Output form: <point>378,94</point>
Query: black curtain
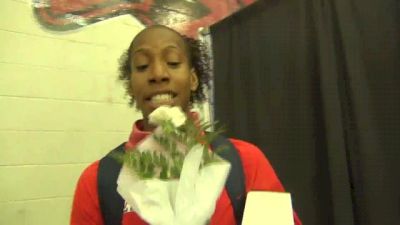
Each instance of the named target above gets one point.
<point>316,85</point>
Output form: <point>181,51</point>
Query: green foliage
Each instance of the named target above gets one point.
<point>168,164</point>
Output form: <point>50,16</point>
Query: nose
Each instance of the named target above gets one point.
<point>159,73</point>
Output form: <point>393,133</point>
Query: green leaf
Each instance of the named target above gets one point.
<point>145,163</point>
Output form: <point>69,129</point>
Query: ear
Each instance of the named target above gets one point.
<point>194,80</point>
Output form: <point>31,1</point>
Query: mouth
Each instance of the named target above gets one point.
<point>162,98</point>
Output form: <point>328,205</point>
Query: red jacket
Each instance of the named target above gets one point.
<point>259,175</point>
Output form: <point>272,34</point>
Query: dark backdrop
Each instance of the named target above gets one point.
<point>316,85</point>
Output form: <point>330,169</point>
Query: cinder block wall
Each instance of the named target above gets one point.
<point>60,109</point>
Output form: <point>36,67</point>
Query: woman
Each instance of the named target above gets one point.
<point>161,67</point>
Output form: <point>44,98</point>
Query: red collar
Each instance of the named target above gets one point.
<point>136,135</point>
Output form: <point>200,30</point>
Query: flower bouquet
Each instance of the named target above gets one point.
<point>172,177</point>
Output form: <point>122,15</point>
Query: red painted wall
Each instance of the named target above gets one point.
<point>185,16</point>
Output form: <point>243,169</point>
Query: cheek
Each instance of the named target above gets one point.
<point>132,86</point>
<point>135,88</point>
<point>186,90</point>
<point>184,82</point>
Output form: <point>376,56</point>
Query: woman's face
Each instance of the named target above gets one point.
<point>161,71</point>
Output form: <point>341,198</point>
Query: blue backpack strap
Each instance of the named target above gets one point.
<point>111,203</point>
<point>235,184</point>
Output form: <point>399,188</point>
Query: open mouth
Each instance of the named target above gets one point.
<point>162,99</point>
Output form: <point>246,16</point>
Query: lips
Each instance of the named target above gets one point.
<point>161,98</point>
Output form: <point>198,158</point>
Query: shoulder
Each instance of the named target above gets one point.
<point>248,151</point>
<point>87,183</point>
<point>85,206</point>
<point>90,172</point>
<point>259,173</point>
<point>244,146</point>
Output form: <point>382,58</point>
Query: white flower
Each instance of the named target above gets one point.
<point>165,113</point>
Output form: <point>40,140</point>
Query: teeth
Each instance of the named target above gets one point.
<point>161,97</point>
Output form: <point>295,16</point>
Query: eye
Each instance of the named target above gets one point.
<point>173,64</point>
<point>141,68</point>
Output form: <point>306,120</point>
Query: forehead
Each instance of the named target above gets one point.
<point>157,38</point>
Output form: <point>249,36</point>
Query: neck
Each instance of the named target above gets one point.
<point>147,126</point>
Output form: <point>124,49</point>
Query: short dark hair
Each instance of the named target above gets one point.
<point>198,54</point>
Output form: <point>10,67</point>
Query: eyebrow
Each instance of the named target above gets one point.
<point>145,49</point>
